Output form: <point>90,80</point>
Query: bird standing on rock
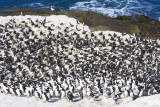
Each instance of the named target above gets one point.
<point>50,60</point>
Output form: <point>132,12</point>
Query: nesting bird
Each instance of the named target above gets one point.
<point>41,59</point>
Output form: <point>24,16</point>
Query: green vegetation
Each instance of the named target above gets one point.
<point>139,24</point>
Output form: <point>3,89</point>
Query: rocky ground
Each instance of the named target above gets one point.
<point>13,101</point>
<point>140,25</point>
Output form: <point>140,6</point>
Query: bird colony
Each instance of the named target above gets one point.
<point>57,57</point>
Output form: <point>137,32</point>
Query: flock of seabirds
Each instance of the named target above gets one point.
<point>67,61</point>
